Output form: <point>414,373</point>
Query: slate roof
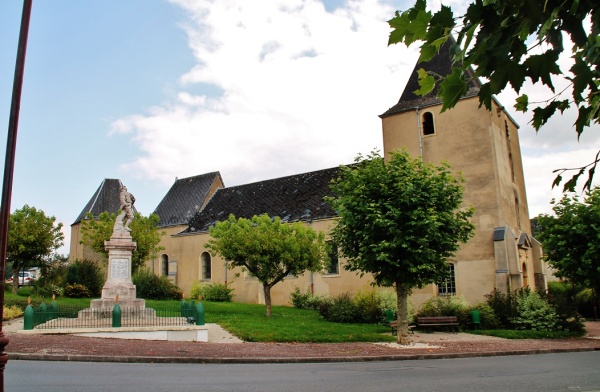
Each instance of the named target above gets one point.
<point>440,64</point>
<point>294,198</point>
<point>184,199</point>
<point>106,198</point>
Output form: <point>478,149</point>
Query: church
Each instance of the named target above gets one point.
<point>481,145</point>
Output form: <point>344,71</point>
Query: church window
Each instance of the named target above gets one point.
<point>448,285</point>
<point>509,148</point>
<point>333,265</point>
<point>164,265</point>
<point>427,123</point>
<point>205,263</point>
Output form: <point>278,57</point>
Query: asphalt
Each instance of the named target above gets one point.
<point>223,347</point>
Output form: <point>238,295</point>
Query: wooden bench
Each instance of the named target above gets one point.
<point>394,326</point>
<point>438,321</point>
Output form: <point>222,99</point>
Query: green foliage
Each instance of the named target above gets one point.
<point>25,291</point>
<point>144,232</point>
<point>400,220</point>
<point>86,273</point>
<point>151,286</point>
<point>268,248</point>
<point>77,291</point>
<point>342,309</point>
<point>32,238</point>
<point>534,313</point>
<point>488,319</point>
<point>306,300</point>
<point>446,306</point>
<point>366,306</point>
<point>216,292</point>
<point>497,38</point>
<point>570,239</point>
<point>504,306</point>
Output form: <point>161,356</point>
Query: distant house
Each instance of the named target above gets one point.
<point>483,145</point>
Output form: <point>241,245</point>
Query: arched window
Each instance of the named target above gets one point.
<point>164,265</point>
<point>333,267</point>
<point>427,123</point>
<point>205,264</point>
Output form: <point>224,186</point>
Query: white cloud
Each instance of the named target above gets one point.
<point>301,90</point>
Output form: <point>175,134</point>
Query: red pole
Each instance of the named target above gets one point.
<point>11,146</point>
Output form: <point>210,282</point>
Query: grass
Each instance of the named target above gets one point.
<point>248,322</point>
<point>525,334</point>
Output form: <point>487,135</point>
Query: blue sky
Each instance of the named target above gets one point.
<point>150,90</point>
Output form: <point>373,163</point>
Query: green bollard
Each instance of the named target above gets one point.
<point>116,316</point>
<point>200,314</point>
<point>28,318</point>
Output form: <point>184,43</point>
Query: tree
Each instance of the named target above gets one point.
<point>32,239</point>
<point>508,42</point>
<point>144,232</point>
<point>571,239</point>
<point>268,248</point>
<point>400,220</point>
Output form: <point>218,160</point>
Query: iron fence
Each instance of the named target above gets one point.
<point>77,317</point>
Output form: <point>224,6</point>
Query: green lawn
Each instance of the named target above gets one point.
<point>248,322</point>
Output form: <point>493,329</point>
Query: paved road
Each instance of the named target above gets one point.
<point>547,372</point>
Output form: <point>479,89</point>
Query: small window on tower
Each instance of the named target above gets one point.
<point>428,128</point>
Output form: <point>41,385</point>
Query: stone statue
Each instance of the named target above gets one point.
<point>125,216</point>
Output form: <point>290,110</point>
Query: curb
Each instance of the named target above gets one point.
<point>262,360</point>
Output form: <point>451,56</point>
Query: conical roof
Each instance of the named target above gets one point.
<point>440,64</point>
<point>105,199</point>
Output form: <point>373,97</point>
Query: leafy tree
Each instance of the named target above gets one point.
<point>570,239</point>
<point>400,220</point>
<point>144,232</point>
<point>509,42</point>
<point>268,248</point>
<point>86,273</point>
<point>32,239</point>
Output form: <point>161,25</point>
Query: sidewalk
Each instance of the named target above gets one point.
<point>222,349</point>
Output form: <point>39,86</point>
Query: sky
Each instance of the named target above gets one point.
<point>148,91</point>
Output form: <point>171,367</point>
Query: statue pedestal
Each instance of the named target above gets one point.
<point>118,283</point>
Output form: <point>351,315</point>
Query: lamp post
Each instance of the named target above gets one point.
<point>11,144</point>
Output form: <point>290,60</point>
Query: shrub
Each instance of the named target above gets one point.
<point>371,305</point>
<point>216,292</point>
<point>447,306</point>
<point>342,309</point>
<point>534,312</point>
<point>504,306</point>
<point>488,318</point>
<point>150,286</point>
<point>12,312</point>
<point>86,273</point>
<point>49,290</point>
<point>306,300</point>
<point>25,291</point>
<point>77,291</point>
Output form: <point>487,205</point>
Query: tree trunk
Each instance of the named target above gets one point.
<point>15,281</point>
<point>267,290</point>
<point>402,294</point>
